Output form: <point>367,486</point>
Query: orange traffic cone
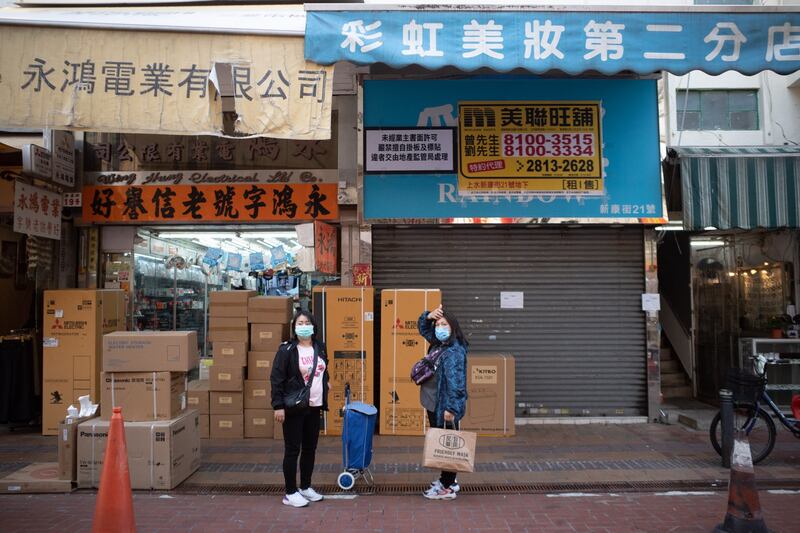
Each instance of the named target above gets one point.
<point>113,512</point>
<point>744,508</point>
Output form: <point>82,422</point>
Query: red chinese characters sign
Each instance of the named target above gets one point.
<point>325,251</point>
<point>211,203</point>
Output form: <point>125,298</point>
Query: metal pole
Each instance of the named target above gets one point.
<point>726,419</point>
<point>175,300</point>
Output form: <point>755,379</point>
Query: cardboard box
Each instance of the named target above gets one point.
<point>277,431</point>
<point>35,478</point>
<point>150,351</point>
<point>197,396</point>
<point>230,353</point>
<point>270,310</point>
<point>229,304</point>
<point>204,426</point>
<point>224,329</point>
<point>227,426</point>
<point>346,318</point>
<point>226,403</point>
<point>258,423</point>
<point>68,449</point>
<point>161,454</point>
<point>143,396</point>
<point>402,346</point>
<point>259,365</point>
<point>268,337</point>
<point>257,394</point>
<point>226,378</point>
<point>490,387</point>
<point>72,338</point>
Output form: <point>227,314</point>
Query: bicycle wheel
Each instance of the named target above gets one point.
<point>761,434</point>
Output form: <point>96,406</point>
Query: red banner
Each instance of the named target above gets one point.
<point>211,203</point>
<point>325,251</point>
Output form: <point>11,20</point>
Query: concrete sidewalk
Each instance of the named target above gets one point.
<point>582,455</point>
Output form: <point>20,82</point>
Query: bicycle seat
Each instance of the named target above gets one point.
<point>796,406</point>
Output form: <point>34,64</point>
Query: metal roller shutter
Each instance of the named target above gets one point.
<point>579,342</point>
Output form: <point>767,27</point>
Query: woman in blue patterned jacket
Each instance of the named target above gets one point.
<point>444,396</point>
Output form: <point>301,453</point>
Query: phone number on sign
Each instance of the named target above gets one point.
<point>555,165</point>
<point>548,144</point>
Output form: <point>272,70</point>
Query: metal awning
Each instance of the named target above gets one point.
<point>740,187</point>
<point>162,70</point>
<point>571,39</point>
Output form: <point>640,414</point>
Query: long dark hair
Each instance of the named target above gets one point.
<point>310,318</point>
<point>455,330</point>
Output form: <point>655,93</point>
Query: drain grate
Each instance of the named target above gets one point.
<point>494,488</point>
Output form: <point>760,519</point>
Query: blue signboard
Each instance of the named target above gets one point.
<point>571,42</point>
<point>631,161</point>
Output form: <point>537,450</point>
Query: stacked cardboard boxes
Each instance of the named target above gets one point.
<point>402,346</point>
<point>75,321</point>
<point>198,397</point>
<point>269,318</point>
<point>346,317</point>
<point>230,337</point>
<point>146,375</point>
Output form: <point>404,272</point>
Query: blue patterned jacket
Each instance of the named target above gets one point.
<point>451,377</point>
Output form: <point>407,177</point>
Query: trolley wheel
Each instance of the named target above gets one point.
<point>346,480</point>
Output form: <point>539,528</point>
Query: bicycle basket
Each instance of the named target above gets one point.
<point>746,386</point>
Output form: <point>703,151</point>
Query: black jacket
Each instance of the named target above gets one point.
<point>286,377</point>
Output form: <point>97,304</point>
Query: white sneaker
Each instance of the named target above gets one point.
<point>311,495</point>
<point>437,483</point>
<point>440,493</point>
<point>295,500</point>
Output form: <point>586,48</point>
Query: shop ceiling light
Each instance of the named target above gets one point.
<point>706,243</point>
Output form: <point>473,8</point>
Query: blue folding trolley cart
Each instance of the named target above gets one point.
<point>357,430</point>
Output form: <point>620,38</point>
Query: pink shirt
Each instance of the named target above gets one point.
<point>306,359</point>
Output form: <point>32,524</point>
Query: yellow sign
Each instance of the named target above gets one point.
<point>161,82</point>
<point>517,147</point>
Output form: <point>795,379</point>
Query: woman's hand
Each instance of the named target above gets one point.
<point>449,417</point>
<point>280,415</point>
<point>436,314</point>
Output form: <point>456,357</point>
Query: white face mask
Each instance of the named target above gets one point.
<point>304,331</point>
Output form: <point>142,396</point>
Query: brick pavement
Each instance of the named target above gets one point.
<point>620,513</point>
<point>538,454</point>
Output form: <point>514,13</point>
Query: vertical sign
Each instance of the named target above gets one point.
<point>62,149</point>
<point>325,252</point>
<point>37,211</point>
<point>37,161</point>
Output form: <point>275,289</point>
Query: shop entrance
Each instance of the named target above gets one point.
<point>169,272</point>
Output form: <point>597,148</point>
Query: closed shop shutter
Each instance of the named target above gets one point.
<point>579,341</point>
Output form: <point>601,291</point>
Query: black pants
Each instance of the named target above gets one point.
<point>300,437</point>
<point>447,478</point>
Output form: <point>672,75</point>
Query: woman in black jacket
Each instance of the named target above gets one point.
<point>291,371</point>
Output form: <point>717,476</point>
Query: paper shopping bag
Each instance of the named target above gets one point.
<point>449,450</point>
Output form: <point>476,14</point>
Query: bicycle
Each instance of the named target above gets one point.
<point>749,393</point>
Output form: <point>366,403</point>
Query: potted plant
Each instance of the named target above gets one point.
<point>775,325</point>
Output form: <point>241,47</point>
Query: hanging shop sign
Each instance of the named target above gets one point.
<point>409,150</point>
<point>207,177</point>
<point>538,40</point>
<point>620,169</point>
<point>161,82</point>
<point>37,211</point>
<point>519,147</point>
<point>132,152</point>
<point>62,146</point>
<point>210,203</point>
<point>37,161</point>
<point>72,199</point>
<point>326,255</point>
<point>362,275</point>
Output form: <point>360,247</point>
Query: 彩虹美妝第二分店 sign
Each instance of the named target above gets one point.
<point>211,203</point>
<point>572,42</point>
<point>529,146</point>
<point>159,82</point>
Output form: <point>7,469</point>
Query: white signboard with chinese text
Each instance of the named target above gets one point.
<point>409,150</point>
<point>62,148</point>
<point>37,211</point>
<point>37,161</point>
<point>72,199</point>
